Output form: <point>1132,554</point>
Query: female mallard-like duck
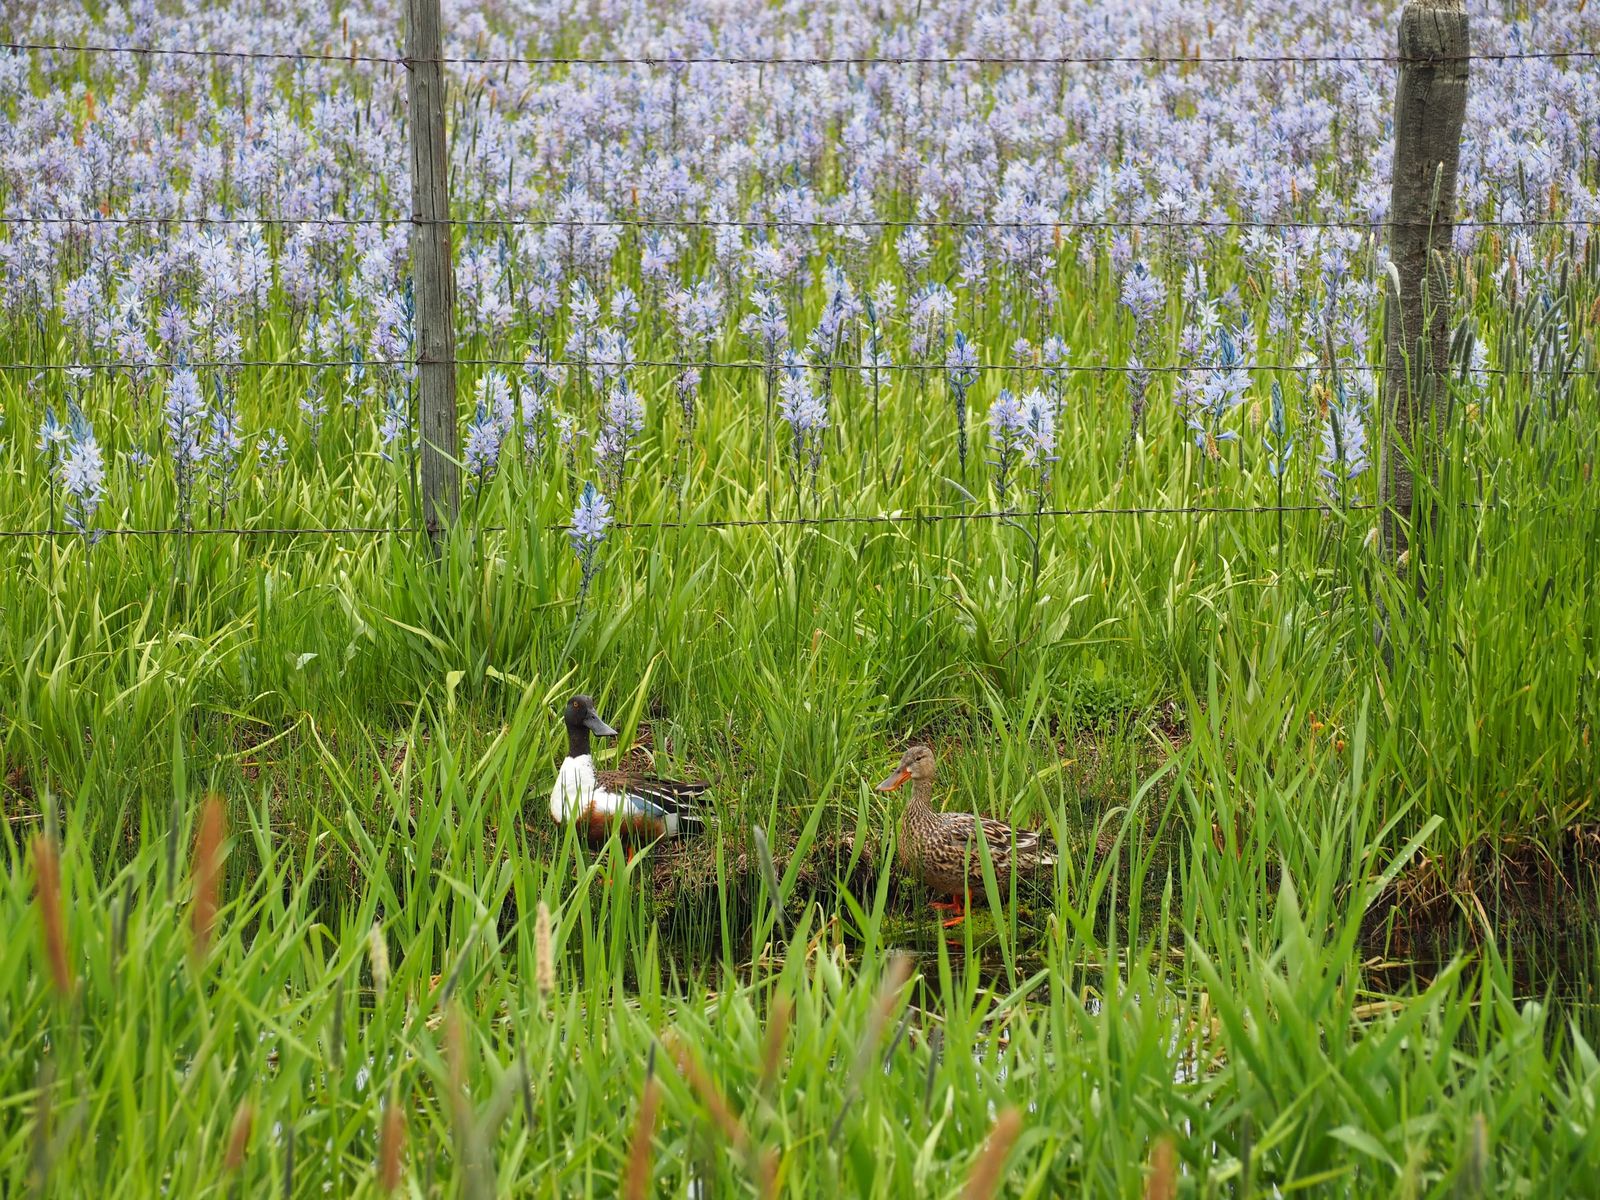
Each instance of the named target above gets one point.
<point>642,807</point>
<point>941,849</point>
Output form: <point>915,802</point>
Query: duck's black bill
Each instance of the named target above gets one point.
<point>595,725</point>
<point>895,780</point>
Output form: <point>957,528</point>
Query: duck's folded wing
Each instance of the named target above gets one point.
<point>1024,844</point>
<point>660,797</point>
<point>998,834</point>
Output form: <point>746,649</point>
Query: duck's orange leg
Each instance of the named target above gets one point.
<point>957,905</point>
<point>627,861</point>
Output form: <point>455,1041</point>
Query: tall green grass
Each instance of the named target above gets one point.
<point>1252,1040</point>
<point>1255,799</point>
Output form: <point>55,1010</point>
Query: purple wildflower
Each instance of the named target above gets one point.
<point>481,450</point>
<point>805,413</point>
<point>1344,442</point>
<point>961,371</point>
<point>185,413</point>
<point>1278,442</point>
<point>620,423</point>
<point>1143,293</point>
<point>591,519</point>
<point>1210,394</point>
<point>272,451</point>
<point>52,433</point>
<point>1006,425</point>
<point>222,445</point>
<point>314,406</point>
<point>83,476</point>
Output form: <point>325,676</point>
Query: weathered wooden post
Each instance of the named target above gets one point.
<point>432,267</point>
<point>1430,103</point>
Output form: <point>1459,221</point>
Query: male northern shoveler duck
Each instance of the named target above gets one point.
<point>941,849</point>
<point>642,807</point>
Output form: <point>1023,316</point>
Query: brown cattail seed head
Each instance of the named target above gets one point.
<point>391,1144</point>
<point>636,1180</point>
<point>1162,1182</point>
<point>777,1033</point>
<point>544,960</point>
<point>894,982</point>
<point>207,872</point>
<point>455,1047</point>
<point>989,1170</point>
<point>239,1136</point>
<point>378,952</point>
<point>710,1095</point>
<point>47,876</point>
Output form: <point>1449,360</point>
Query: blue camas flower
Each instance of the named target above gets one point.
<point>1344,441</point>
<point>591,519</point>
<point>1023,431</point>
<point>1143,293</point>
<point>1038,439</point>
<point>535,395</point>
<point>625,307</point>
<point>1145,296</point>
<point>480,451</point>
<point>805,413</point>
<point>138,461</point>
<point>314,406</point>
<point>396,423</point>
<point>223,445</point>
<point>52,433</point>
<point>185,414</point>
<point>768,326</point>
<point>961,370</point>
<point>621,422</point>
<point>83,476</point>
<point>1006,427</point>
<point>1208,395</point>
<point>272,451</point>
<point>1278,442</point>
<point>494,394</point>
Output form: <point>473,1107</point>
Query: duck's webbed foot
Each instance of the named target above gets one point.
<point>956,905</point>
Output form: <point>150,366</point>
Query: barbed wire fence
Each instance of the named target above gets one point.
<point>1425,216</point>
<point>669,59</point>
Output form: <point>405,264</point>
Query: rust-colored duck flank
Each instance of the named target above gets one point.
<point>643,807</point>
<point>941,849</point>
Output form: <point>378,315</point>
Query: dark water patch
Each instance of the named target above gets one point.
<point>1534,904</point>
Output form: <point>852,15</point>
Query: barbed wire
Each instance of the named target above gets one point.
<point>741,365</point>
<point>916,518</point>
<point>817,222</point>
<point>779,60</point>
<point>215,531</point>
<point>896,518</point>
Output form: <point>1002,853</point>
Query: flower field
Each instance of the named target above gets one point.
<point>831,378</point>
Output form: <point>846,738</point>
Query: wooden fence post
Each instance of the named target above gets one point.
<point>432,267</point>
<point>1430,103</point>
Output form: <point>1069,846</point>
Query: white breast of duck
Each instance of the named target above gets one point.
<point>578,792</point>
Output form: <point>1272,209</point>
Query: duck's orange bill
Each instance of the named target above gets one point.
<point>895,780</point>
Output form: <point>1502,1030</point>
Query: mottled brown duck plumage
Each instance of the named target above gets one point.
<point>941,849</point>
